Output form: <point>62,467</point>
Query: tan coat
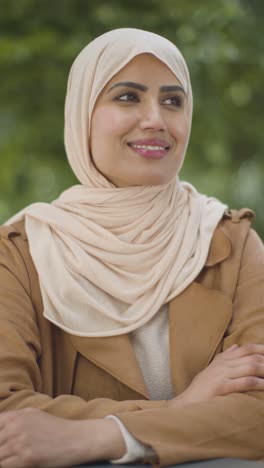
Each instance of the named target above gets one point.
<point>42,366</point>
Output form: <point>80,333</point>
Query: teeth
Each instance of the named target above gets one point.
<point>149,147</point>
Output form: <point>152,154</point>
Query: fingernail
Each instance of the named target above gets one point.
<point>233,347</point>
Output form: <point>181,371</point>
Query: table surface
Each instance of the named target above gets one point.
<point>216,463</point>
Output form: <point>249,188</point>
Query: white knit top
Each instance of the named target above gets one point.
<point>151,346</point>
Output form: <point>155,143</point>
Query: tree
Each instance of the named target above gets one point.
<point>222,43</point>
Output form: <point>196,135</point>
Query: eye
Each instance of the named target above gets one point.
<point>175,101</point>
<point>127,97</point>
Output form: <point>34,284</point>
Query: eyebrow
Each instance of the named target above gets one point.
<point>131,84</point>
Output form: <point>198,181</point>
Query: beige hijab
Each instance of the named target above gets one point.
<point>108,258</point>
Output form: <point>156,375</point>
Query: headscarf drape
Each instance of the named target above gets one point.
<point>108,258</point>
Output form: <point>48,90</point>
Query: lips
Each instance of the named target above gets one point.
<point>150,148</point>
<point>153,143</point>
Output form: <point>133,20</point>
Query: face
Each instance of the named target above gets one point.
<point>140,126</point>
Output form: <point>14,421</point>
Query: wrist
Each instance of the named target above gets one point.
<point>114,443</point>
<point>100,439</point>
<point>178,401</point>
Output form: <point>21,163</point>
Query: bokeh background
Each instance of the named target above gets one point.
<point>222,42</point>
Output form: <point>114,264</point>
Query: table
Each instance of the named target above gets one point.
<point>216,463</point>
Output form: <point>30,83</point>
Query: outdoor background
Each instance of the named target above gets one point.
<point>222,41</point>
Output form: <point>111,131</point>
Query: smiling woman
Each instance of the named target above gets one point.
<point>132,307</point>
<point>141,114</point>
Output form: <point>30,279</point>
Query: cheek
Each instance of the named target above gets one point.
<point>101,124</point>
<point>181,130</point>
<point>110,123</point>
<point>107,130</point>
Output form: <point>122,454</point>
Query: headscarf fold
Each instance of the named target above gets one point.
<point>108,258</point>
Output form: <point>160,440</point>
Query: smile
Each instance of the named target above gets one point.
<point>150,149</point>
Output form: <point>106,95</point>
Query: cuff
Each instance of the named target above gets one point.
<point>136,451</point>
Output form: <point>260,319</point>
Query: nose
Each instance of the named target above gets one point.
<point>151,117</point>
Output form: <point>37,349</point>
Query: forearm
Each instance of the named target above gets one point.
<point>229,426</point>
<point>99,439</point>
<point>51,441</point>
<point>71,406</point>
<point>107,441</point>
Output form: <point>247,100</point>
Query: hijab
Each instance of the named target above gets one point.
<point>108,258</point>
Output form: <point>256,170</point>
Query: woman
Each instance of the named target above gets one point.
<point>132,307</point>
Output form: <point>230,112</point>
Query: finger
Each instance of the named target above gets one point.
<point>7,417</point>
<point>249,349</point>
<point>231,348</point>
<point>4,417</point>
<point>241,351</point>
<point>243,384</point>
<point>227,354</point>
<point>246,370</point>
<point>7,421</point>
<point>3,441</point>
<point>252,360</point>
<point>13,462</point>
<point>5,453</point>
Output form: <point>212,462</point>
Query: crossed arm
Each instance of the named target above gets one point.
<point>33,437</point>
<point>220,414</point>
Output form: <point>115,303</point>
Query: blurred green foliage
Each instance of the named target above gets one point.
<point>222,43</point>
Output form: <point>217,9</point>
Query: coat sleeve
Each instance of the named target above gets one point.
<point>21,384</point>
<point>230,426</point>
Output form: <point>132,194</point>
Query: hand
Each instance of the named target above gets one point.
<point>238,369</point>
<point>33,438</point>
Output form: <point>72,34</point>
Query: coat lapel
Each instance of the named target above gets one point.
<point>198,319</point>
<point>116,356</point>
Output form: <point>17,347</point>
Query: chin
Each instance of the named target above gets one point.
<point>141,179</point>
<point>157,179</point>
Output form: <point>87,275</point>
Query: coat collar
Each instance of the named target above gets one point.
<point>116,356</point>
<point>195,332</point>
<point>220,247</point>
